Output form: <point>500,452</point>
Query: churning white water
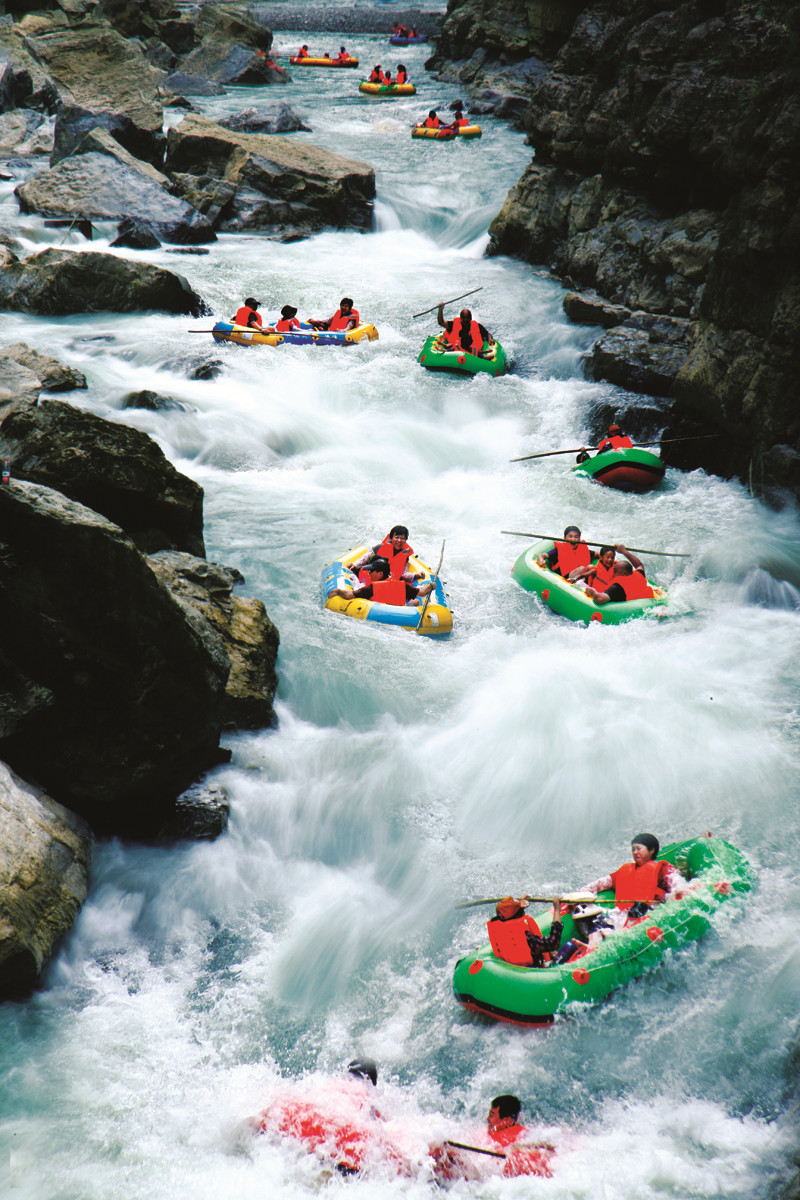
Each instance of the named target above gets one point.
<point>405,775</point>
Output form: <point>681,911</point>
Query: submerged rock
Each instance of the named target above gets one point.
<point>113,469</point>
<point>60,282</point>
<point>271,118</point>
<point>45,854</point>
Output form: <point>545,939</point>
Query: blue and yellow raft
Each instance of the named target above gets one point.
<point>227,331</point>
<point>437,621</point>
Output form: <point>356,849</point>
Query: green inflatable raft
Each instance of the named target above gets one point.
<point>716,872</point>
<point>569,600</point>
<point>435,355</point>
<point>630,469</point>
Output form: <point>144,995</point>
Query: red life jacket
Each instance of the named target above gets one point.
<point>284,325</point>
<point>619,441</point>
<point>635,586</point>
<point>243,315</point>
<point>602,579</point>
<point>375,77</point>
<point>571,556</point>
<point>454,336</point>
<point>507,1135</point>
<point>398,560</point>
<point>402,77</point>
<point>431,123</point>
<point>462,121</point>
<point>301,53</point>
<point>389,591</point>
<point>508,939</point>
<point>340,322</point>
<point>634,884</point>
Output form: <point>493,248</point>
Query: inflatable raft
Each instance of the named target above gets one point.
<point>227,331</point>
<point>570,600</point>
<point>307,61</point>
<point>716,872</point>
<point>438,618</point>
<point>387,89</point>
<point>446,135</point>
<point>628,470</point>
<point>436,355</point>
<point>400,40</point>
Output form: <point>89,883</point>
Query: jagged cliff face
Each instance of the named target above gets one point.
<point>667,144</point>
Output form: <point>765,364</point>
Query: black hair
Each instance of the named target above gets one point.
<point>507,1106</point>
<point>364,1068</point>
<point>572,529</point>
<point>379,564</point>
<point>345,300</point>
<point>648,840</point>
<point>605,549</point>
<point>401,529</point>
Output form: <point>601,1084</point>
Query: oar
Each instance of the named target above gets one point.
<point>461,297</point>
<point>570,898</point>
<point>433,588</point>
<point>548,537</point>
<point>499,1153</point>
<point>658,442</point>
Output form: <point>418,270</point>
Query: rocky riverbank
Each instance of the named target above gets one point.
<point>665,186</point>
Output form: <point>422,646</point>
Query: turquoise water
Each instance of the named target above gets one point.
<point>405,775</point>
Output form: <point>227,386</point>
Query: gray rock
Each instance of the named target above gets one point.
<point>632,359</point>
<point>233,65</point>
<point>23,132</point>
<point>180,83</point>
<point>587,308</point>
<point>249,637</point>
<point>45,854</point>
<point>155,402</point>
<point>53,375</point>
<point>137,691</point>
<point>19,387</point>
<point>60,282</point>
<point>201,813</point>
<point>96,186</point>
<point>272,118</point>
<point>113,469</point>
<point>135,235</point>
<point>281,186</point>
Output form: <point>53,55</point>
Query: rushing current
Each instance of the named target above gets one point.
<point>405,774</point>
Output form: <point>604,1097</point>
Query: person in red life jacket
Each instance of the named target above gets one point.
<point>614,439</point>
<point>342,56</point>
<point>387,79</point>
<point>288,320</point>
<point>345,317</point>
<point>502,1123</point>
<point>383,588</point>
<point>396,550</point>
<point>600,574</point>
<point>376,74</point>
<point>303,52</point>
<point>567,556</point>
<point>399,31</point>
<point>431,121</point>
<point>641,883</point>
<point>247,314</point>
<point>517,939</point>
<point>459,121</point>
<point>464,333</point>
<point>412,33</point>
<point>627,583</point>
<point>402,74</point>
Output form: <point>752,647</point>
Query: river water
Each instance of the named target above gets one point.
<point>406,775</point>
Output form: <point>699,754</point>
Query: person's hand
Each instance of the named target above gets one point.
<point>619,546</point>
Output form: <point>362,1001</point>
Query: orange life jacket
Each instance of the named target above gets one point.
<point>431,123</point>
<point>389,591</point>
<point>602,579</point>
<point>301,53</point>
<point>398,560</point>
<point>284,325</point>
<point>633,884</point>
<point>375,77</point>
<point>243,316</point>
<point>454,336</point>
<point>462,121</point>
<point>340,322</point>
<point>402,77</point>
<point>571,556</point>
<point>635,586</point>
<point>619,441</point>
<point>508,939</point>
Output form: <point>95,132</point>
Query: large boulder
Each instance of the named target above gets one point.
<point>114,469</point>
<point>23,133</point>
<point>130,693</point>
<point>45,854</point>
<point>53,376</point>
<point>96,69</point>
<point>98,186</point>
<point>233,48</point>
<point>24,81</point>
<point>19,387</point>
<point>60,282</point>
<point>250,638</point>
<point>270,118</point>
<point>277,185</point>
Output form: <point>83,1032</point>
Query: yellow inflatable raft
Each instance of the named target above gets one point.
<point>438,619</point>
<point>387,89</point>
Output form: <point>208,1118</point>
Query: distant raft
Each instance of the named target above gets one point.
<point>307,61</point>
<point>569,600</point>
<point>628,470</point>
<point>387,89</point>
<point>401,40</point>
<point>446,135</point>
<point>438,618</point>
<point>227,331</point>
<point>716,872</point>
<point>436,355</point>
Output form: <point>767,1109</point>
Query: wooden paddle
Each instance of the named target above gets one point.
<point>433,588</point>
<point>570,898</point>
<point>548,537</point>
<point>499,1153</point>
<point>461,297</point>
<point>659,442</point>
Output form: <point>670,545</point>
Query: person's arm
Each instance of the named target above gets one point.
<point>606,884</point>
<point>580,573</point>
<point>635,562</point>
<point>614,595</point>
<point>356,566</point>
<point>360,593</point>
<point>547,559</point>
<point>440,316</point>
<point>415,593</point>
<point>667,876</point>
<point>487,337</point>
<point>583,455</point>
